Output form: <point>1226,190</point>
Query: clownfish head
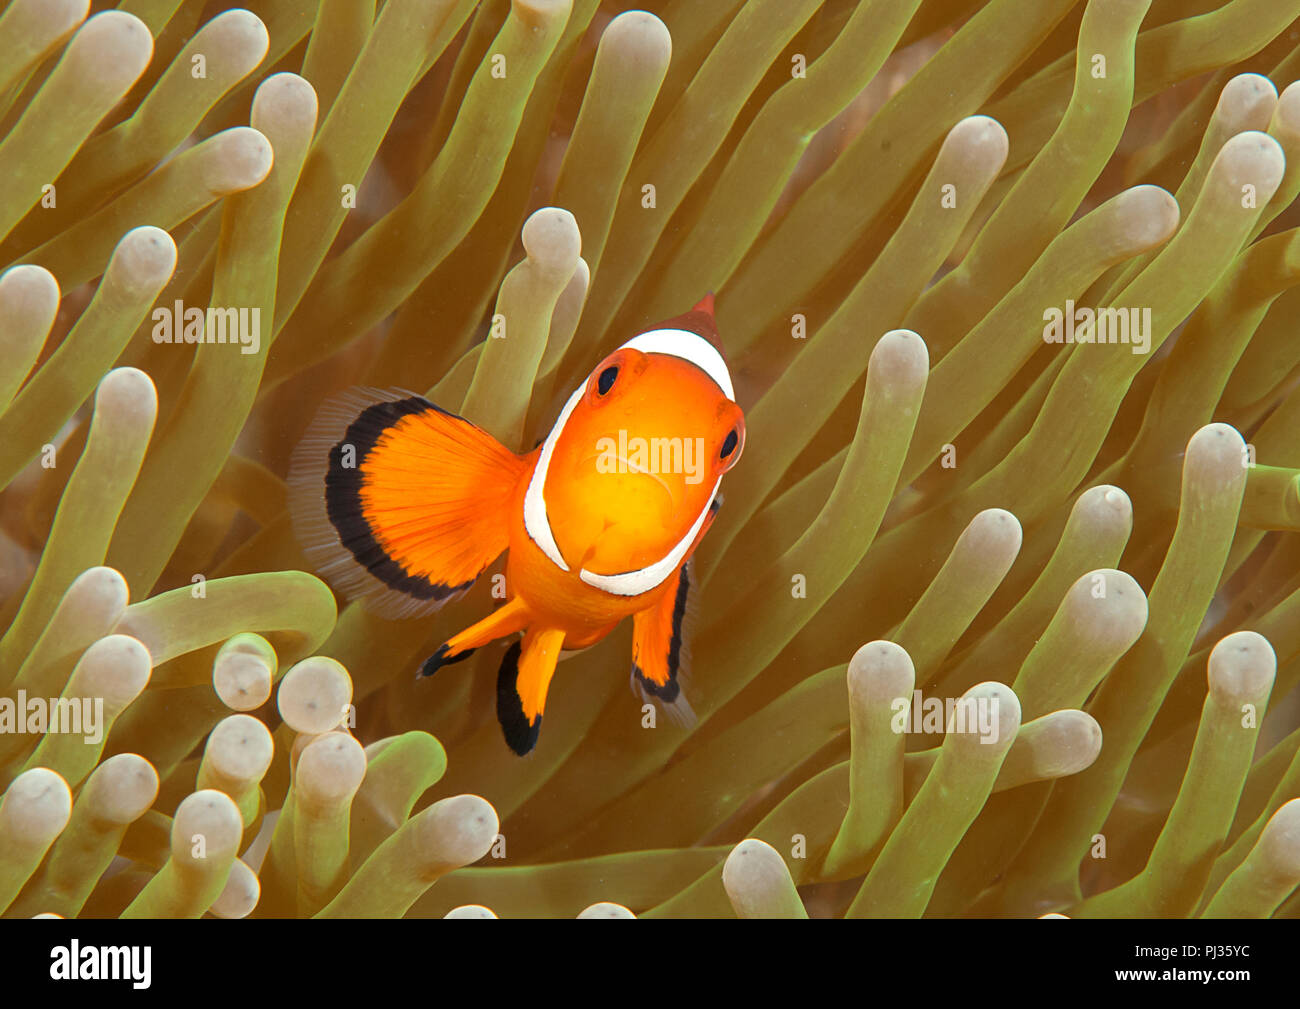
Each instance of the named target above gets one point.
<point>633,465</point>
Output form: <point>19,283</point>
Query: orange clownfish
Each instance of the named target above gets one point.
<point>403,504</point>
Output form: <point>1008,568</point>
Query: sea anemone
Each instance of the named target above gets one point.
<point>1000,616</point>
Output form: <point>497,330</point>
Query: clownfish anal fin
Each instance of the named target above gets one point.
<point>521,734</point>
<point>522,682</point>
<point>398,502</point>
<point>661,648</point>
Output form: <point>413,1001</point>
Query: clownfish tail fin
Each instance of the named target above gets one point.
<point>522,683</point>
<point>661,637</point>
<point>398,502</point>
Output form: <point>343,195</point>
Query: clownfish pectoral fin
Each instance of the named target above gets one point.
<point>399,502</point>
<point>522,682</point>
<point>660,648</point>
<point>504,620</point>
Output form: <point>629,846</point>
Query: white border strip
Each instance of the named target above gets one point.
<point>689,347</point>
<point>536,522</point>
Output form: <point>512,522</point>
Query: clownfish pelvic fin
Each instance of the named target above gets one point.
<point>505,620</point>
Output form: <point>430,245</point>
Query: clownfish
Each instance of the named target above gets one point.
<point>400,503</point>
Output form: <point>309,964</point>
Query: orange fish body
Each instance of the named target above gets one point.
<point>404,504</point>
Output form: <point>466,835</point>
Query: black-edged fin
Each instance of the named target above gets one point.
<point>521,733</point>
<point>440,658</point>
<point>522,684</point>
<point>398,502</point>
<point>504,620</point>
<point>661,648</point>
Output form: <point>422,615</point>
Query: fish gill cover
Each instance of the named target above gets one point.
<point>1000,615</point>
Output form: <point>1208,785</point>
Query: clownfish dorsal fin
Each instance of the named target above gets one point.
<point>691,336</point>
<point>398,502</point>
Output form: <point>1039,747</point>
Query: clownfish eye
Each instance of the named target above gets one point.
<point>606,380</point>
<point>729,445</point>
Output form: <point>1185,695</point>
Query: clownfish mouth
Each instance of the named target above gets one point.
<point>631,583</point>
<point>633,467</point>
<point>627,465</point>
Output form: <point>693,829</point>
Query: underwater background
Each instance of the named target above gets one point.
<point>1009,293</point>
